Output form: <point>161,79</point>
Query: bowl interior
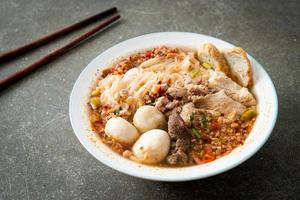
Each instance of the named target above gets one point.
<point>263,89</point>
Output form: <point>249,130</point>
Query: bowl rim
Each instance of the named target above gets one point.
<point>249,154</point>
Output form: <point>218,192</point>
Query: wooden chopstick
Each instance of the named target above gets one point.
<point>4,83</point>
<point>52,36</point>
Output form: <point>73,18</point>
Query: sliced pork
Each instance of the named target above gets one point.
<point>220,102</point>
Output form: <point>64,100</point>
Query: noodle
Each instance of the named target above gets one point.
<point>150,72</point>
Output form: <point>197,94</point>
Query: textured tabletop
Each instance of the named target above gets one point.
<point>40,156</point>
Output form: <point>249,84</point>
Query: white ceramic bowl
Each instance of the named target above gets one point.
<point>263,88</point>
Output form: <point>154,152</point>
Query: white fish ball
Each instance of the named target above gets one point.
<point>121,130</point>
<point>152,147</point>
<point>147,118</point>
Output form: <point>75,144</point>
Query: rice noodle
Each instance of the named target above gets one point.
<point>151,72</point>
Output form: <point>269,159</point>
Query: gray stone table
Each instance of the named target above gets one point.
<point>40,157</point>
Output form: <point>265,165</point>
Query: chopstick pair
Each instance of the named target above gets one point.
<point>111,15</point>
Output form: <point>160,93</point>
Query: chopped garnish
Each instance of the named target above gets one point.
<point>196,133</point>
<point>152,103</point>
<point>118,66</point>
<point>107,71</point>
<point>195,72</point>
<point>208,155</point>
<point>95,92</point>
<point>248,114</point>
<point>192,117</point>
<point>206,65</point>
<point>203,121</point>
<point>204,157</point>
<point>94,118</point>
<point>148,54</point>
<point>116,112</point>
<point>214,125</point>
<point>95,102</point>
